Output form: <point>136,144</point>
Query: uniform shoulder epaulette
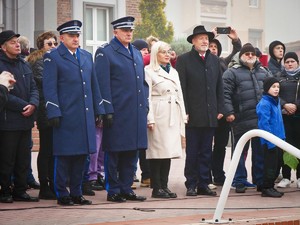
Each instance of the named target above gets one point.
<point>104,45</point>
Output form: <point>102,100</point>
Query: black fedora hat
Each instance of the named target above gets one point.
<point>200,30</point>
<point>7,35</point>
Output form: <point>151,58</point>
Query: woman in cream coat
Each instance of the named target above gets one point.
<point>166,118</point>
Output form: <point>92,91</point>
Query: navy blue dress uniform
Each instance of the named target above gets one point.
<point>73,100</point>
<point>120,72</point>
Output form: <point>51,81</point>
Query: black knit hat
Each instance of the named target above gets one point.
<point>140,44</point>
<point>273,45</point>
<point>268,82</point>
<point>246,48</point>
<point>292,55</point>
<point>219,46</point>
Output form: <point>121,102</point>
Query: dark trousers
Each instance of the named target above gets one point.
<point>271,161</point>
<point>257,161</point>
<point>45,159</point>
<point>219,150</point>
<point>198,156</point>
<point>14,160</point>
<point>292,133</point>
<point>144,165</point>
<point>160,169</point>
<point>119,171</point>
<point>68,172</point>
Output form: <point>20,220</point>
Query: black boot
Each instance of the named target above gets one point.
<point>46,192</point>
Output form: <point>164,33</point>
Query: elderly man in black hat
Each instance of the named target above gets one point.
<point>201,82</point>
<point>120,72</point>
<point>73,101</point>
<point>16,121</point>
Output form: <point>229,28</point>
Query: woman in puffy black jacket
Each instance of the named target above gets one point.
<point>45,164</point>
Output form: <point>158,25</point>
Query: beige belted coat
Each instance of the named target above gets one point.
<point>166,112</point>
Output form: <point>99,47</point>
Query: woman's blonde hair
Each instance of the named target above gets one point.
<point>158,46</point>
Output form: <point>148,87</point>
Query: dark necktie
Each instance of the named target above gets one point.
<point>74,54</point>
<point>202,56</point>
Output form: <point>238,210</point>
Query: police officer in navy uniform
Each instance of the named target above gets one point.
<point>73,101</point>
<point>120,72</point>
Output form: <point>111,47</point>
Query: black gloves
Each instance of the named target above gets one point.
<point>99,120</point>
<point>108,120</point>
<point>54,122</point>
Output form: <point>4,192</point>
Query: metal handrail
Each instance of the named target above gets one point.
<point>235,159</point>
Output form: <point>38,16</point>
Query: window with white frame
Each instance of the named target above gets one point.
<point>255,37</point>
<point>96,28</point>
<point>253,3</point>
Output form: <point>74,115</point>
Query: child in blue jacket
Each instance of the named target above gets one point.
<point>270,119</point>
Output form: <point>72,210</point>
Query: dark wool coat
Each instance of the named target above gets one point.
<point>24,93</point>
<point>125,95</point>
<point>202,87</point>
<point>72,93</point>
<point>3,96</point>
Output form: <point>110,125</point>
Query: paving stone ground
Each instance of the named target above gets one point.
<point>249,208</point>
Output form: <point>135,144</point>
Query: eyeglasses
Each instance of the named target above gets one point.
<point>290,61</point>
<point>169,52</point>
<point>249,53</point>
<point>51,43</point>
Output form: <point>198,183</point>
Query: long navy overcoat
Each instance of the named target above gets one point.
<point>72,93</point>
<point>125,95</point>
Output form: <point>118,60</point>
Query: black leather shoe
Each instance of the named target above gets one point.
<point>6,198</point>
<point>206,191</point>
<point>159,193</point>
<point>66,200</point>
<point>24,198</point>
<point>34,185</point>
<point>96,186</point>
<point>80,200</point>
<point>170,193</point>
<point>271,192</point>
<point>87,189</point>
<point>115,198</point>
<point>191,192</point>
<point>133,197</point>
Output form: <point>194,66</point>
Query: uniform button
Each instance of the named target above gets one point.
<point>138,77</point>
<point>140,105</point>
<point>168,90</point>
<point>83,83</point>
<point>134,64</point>
<point>139,90</point>
<point>208,105</point>
<point>176,90</point>
<point>87,109</point>
<point>169,101</point>
<point>85,96</point>
<point>81,71</point>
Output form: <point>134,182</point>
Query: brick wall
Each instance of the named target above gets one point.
<point>35,139</point>
<point>132,9</point>
<point>64,11</point>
